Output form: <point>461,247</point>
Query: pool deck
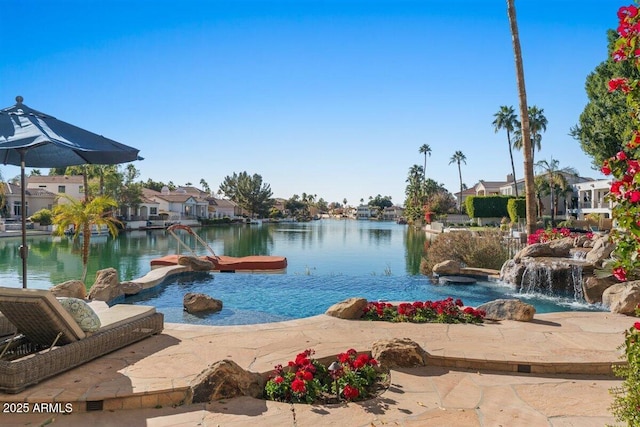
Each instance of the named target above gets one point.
<point>553,371</point>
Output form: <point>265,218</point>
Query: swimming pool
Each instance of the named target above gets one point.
<point>264,298</point>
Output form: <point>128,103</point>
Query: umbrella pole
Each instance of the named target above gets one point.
<point>24,249</point>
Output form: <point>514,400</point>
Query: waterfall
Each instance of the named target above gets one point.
<point>554,278</point>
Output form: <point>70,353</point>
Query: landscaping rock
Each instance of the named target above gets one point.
<point>447,268</point>
<point>195,263</point>
<point>130,288</point>
<point>508,309</point>
<point>534,250</point>
<point>351,308</point>
<point>225,380</point>
<point>602,249</point>
<point>398,353</point>
<point>623,297</point>
<point>593,288</point>
<point>70,289</point>
<point>511,272</point>
<point>561,247</point>
<point>106,287</point>
<point>198,303</point>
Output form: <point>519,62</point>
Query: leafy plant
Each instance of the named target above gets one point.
<point>43,217</point>
<point>444,311</point>
<point>305,380</point>
<point>627,396</point>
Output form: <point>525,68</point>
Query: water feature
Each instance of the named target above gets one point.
<point>329,260</point>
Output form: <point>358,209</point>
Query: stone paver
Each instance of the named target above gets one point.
<point>144,383</point>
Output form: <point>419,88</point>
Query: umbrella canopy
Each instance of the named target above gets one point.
<point>29,138</point>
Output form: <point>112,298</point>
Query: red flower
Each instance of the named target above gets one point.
<point>350,392</point>
<point>637,325</point>
<point>298,386</point>
<point>626,12</point>
<point>618,84</point>
<point>621,155</point>
<point>634,196</point>
<point>615,187</point>
<point>620,273</point>
<point>361,361</point>
<point>278,379</point>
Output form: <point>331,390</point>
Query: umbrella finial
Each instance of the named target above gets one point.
<point>19,99</point>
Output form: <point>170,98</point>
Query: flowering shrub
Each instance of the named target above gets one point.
<point>444,311</point>
<point>543,236</point>
<point>305,380</point>
<point>626,404</point>
<point>624,166</point>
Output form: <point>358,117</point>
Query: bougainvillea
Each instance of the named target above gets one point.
<point>624,166</point>
<point>545,235</point>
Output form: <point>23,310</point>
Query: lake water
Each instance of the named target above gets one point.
<point>329,261</point>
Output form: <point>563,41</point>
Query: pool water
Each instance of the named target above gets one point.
<point>264,298</point>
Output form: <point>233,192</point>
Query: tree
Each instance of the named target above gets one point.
<point>205,185</point>
<point>525,130</point>
<point>555,177</point>
<point>458,157</point>
<point>425,149</point>
<point>248,192</point>
<point>81,216</point>
<point>506,119</point>
<point>130,194</point>
<point>379,202</point>
<point>414,192</point>
<point>537,124</point>
<point>604,126</point>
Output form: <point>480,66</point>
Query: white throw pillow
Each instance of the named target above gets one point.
<point>84,315</point>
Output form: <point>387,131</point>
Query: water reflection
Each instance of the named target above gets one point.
<point>327,247</point>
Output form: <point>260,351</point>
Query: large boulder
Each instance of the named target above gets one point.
<point>622,297</point>
<point>593,287</point>
<point>351,308</point>
<point>130,288</point>
<point>106,287</point>
<point>535,250</point>
<point>225,380</point>
<point>447,268</point>
<point>508,309</point>
<point>70,289</point>
<point>398,353</point>
<point>602,249</point>
<point>195,263</point>
<point>561,247</point>
<point>197,303</point>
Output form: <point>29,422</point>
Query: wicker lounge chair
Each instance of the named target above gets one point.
<point>51,342</point>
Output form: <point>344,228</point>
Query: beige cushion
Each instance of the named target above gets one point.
<point>123,313</point>
<point>82,313</point>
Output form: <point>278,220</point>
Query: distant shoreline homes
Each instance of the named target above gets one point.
<point>583,196</point>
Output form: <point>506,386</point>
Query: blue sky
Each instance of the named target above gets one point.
<point>332,98</point>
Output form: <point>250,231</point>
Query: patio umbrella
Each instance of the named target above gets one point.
<point>29,138</point>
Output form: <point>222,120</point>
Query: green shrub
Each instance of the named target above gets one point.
<point>517,208</point>
<point>481,249</point>
<point>487,206</point>
<point>43,217</point>
<point>627,397</point>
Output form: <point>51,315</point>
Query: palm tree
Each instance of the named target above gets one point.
<point>555,177</point>
<point>458,157</point>
<point>81,216</point>
<point>425,149</point>
<point>506,119</point>
<point>537,123</point>
<point>526,132</point>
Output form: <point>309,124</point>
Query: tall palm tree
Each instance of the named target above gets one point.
<point>82,215</point>
<point>458,157</point>
<point>506,119</point>
<point>526,132</point>
<point>555,177</point>
<point>425,149</point>
<point>537,123</point>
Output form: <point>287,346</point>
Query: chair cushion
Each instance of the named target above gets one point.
<point>84,316</point>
